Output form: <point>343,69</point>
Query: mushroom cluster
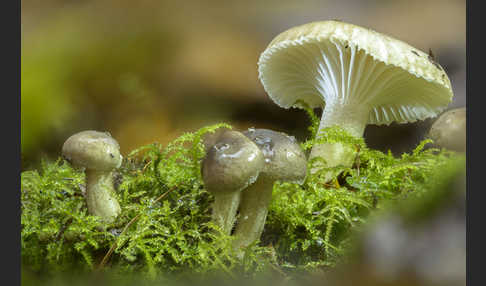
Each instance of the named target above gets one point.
<point>358,76</point>
<point>240,169</point>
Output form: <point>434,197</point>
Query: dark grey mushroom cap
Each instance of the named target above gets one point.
<point>449,130</point>
<point>231,164</point>
<point>92,150</point>
<point>211,138</point>
<point>284,158</point>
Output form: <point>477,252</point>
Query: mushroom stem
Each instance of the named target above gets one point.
<point>100,195</point>
<point>350,117</point>
<point>231,164</point>
<point>353,120</point>
<point>224,210</point>
<point>253,212</point>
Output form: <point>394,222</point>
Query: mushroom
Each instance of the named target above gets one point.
<point>209,139</point>
<point>230,166</point>
<point>358,76</point>
<point>284,161</point>
<point>99,154</point>
<point>449,130</point>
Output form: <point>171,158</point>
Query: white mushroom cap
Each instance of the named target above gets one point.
<point>93,150</point>
<point>334,62</point>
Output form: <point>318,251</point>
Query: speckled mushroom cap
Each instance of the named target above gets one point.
<point>93,150</point>
<point>336,62</point>
<point>284,158</point>
<point>449,130</point>
<point>231,164</point>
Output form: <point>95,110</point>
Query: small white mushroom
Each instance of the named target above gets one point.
<point>231,164</point>
<point>449,130</point>
<point>284,161</point>
<point>358,76</point>
<point>99,154</point>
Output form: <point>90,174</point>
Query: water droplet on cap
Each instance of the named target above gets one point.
<point>221,147</point>
<point>262,140</point>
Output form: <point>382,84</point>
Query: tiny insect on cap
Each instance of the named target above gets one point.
<point>93,150</point>
<point>333,62</point>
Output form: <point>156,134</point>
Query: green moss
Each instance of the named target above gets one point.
<point>308,225</point>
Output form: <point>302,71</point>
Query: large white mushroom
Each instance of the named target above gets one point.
<point>358,76</point>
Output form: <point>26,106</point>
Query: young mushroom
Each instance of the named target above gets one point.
<point>99,154</point>
<point>358,76</point>
<point>284,161</point>
<point>449,130</point>
<point>230,166</point>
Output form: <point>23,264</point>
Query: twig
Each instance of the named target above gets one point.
<point>145,167</point>
<point>63,228</point>
<point>108,254</point>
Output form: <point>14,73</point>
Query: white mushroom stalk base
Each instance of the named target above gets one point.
<point>353,119</point>
<point>253,212</point>
<point>224,210</point>
<point>100,195</point>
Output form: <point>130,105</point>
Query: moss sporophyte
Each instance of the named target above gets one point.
<point>172,208</point>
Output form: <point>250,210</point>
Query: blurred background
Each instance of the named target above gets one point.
<point>148,71</point>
